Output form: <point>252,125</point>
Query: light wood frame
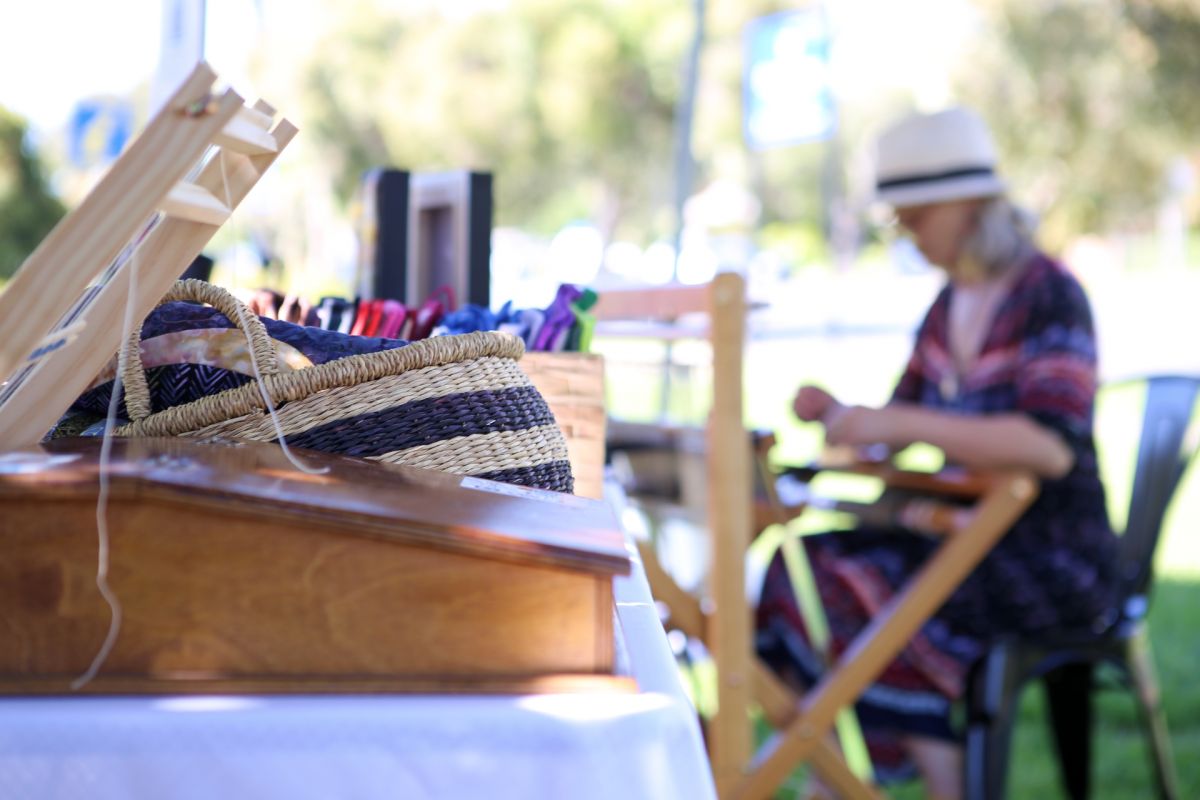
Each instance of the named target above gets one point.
<point>157,206</point>
<point>997,500</point>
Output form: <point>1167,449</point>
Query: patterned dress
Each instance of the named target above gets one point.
<point>1054,572</point>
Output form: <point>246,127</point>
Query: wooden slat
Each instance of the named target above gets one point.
<point>652,302</point>
<point>428,508</point>
<point>194,203</point>
<point>258,117</point>
<point>780,705</point>
<point>91,236</point>
<point>830,765</point>
<point>162,257</point>
<point>888,633</point>
<point>244,135</point>
<point>57,339</point>
<point>263,107</point>
<point>951,483</point>
<point>685,609</point>
<point>729,513</point>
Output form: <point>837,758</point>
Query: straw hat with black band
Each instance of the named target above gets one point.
<point>933,158</point>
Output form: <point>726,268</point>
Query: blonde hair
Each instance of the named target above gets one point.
<point>1003,236</point>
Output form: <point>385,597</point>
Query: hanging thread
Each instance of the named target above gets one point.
<point>102,558</point>
<point>104,465</point>
<point>262,385</point>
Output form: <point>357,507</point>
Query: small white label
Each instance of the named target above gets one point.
<point>495,487</point>
<point>23,463</point>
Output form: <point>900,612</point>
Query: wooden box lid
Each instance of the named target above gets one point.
<point>418,506</point>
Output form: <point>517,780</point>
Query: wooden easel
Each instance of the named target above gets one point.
<point>803,724</point>
<point>158,205</point>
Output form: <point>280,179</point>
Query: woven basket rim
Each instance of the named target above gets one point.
<point>284,387</point>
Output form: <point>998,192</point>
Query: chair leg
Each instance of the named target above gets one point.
<point>992,694</point>
<point>1145,689</point>
<point>1069,697</point>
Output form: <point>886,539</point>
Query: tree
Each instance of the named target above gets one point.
<point>1090,101</point>
<point>28,209</point>
<point>569,104</point>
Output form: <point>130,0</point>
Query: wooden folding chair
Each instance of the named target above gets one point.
<point>970,512</point>
<point>152,212</point>
<point>722,621</point>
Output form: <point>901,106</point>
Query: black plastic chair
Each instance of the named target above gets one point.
<point>1067,667</point>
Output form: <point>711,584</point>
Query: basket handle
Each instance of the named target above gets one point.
<point>262,349</point>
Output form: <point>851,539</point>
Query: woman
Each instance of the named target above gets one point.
<point>1002,374</point>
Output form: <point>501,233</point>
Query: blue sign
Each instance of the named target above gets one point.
<point>98,131</point>
<point>786,94</point>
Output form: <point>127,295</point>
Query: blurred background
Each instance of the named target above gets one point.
<point>652,140</point>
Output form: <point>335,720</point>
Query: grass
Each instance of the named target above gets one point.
<point>847,367</point>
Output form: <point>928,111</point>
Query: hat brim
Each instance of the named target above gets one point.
<point>941,190</point>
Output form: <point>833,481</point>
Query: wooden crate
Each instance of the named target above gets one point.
<point>573,385</point>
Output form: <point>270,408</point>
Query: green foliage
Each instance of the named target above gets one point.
<point>28,210</point>
<point>570,105</point>
<point>799,243</point>
<point>1090,100</point>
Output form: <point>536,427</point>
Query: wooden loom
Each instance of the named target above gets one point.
<point>153,211</point>
<point>735,514</point>
<point>235,571</point>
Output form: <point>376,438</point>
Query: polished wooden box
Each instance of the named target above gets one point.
<point>237,572</point>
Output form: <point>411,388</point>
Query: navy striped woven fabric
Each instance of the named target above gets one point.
<point>170,385</point>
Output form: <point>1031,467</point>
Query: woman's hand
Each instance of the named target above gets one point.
<point>812,404</point>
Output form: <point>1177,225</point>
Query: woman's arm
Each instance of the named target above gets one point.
<point>1011,440</point>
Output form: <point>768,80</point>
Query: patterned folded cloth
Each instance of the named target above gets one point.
<point>190,351</point>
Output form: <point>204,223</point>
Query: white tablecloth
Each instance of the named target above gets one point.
<point>610,746</point>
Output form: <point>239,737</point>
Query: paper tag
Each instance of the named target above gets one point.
<point>546,496</point>
<point>23,463</point>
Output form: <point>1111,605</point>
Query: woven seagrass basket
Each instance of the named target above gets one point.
<point>458,404</point>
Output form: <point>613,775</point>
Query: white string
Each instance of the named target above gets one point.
<point>262,385</point>
<point>114,605</point>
